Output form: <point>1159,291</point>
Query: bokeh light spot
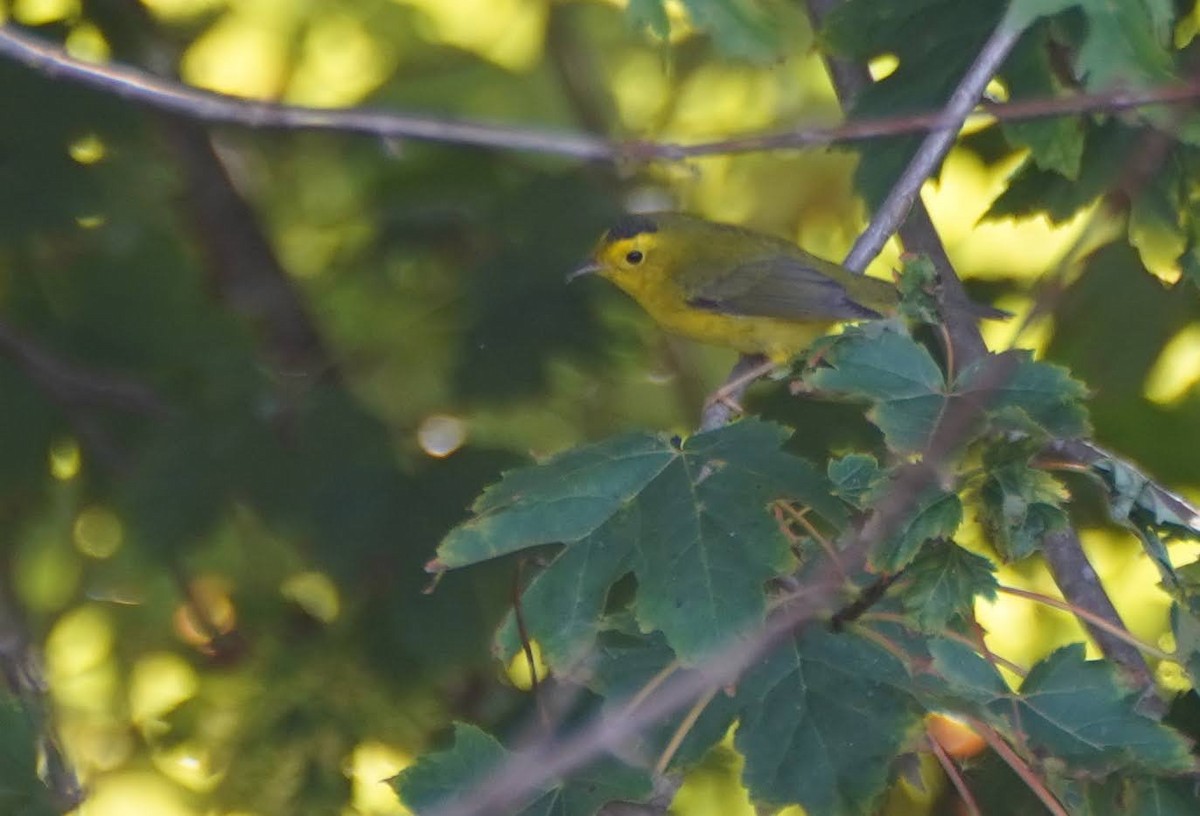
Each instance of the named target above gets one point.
<point>135,792</point>
<point>80,641</point>
<point>174,9</point>
<point>341,64</point>
<point>87,149</point>
<point>43,12</point>
<point>518,670</point>
<point>87,43</point>
<point>1177,369</point>
<point>315,594</point>
<point>441,435</point>
<point>66,459</point>
<point>371,765</point>
<point>98,532</point>
<point>239,55</point>
<point>158,683</point>
<point>883,66</point>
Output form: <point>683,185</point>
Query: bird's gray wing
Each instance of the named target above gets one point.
<point>781,287</point>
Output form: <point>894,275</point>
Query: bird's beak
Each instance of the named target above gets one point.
<point>589,268</point>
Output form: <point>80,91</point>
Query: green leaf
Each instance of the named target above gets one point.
<point>943,582</point>
<point>1069,708</point>
<point>1124,44</point>
<point>823,719</point>
<point>706,543</point>
<point>563,499</point>
<point>961,677</point>
<point>937,515</point>
<point>1151,796</point>
<point>1033,397</point>
<point>1020,506</point>
<point>693,527</point>
<point>740,28</point>
<point>1055,144</point>
<point>917,283</point>
<point>438,778</point>
<point>1078,711</point>
<point>854,477</point>
<point>1148,510</point>
<point>1185,626</point>
<point>1032,190</point>
<point>892,371</point>
<point>564,603</point>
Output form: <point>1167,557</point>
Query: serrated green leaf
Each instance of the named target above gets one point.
<point>1034,396</point>
<point>1019,507</point>
<point>799,710</point>
<point>438,778</point>
<point>695,530</point>
<point>1078,711</point>
<point>563,499</point>
<point>937,515</point>
<point>854,476</point>
<point>892,371</point>
<point>943,582</point>
<point>1069,708</point>
<point>917,283</point>
<point>705,542</point>
<point>1055,144</point>
<point>1124,44</point>
<point>1032,190</point>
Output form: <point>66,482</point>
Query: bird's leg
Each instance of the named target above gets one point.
<point>747,371</point>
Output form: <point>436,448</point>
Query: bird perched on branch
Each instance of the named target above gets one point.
<point>731,286</point>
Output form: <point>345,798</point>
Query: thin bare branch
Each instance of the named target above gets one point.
<point>895,208</point>
<point>71,384</point>
<point>172,97</point>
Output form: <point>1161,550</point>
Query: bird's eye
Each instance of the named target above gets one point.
<point>634,257</point>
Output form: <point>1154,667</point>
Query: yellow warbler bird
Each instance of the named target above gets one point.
<point>731,286</point>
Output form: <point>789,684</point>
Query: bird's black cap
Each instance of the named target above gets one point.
<point>631,226</point>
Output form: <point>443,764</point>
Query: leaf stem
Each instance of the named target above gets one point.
<point>1019,766</point>
<point>681,732</point>
<point>1092,618</point>
<point>955,776</point>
